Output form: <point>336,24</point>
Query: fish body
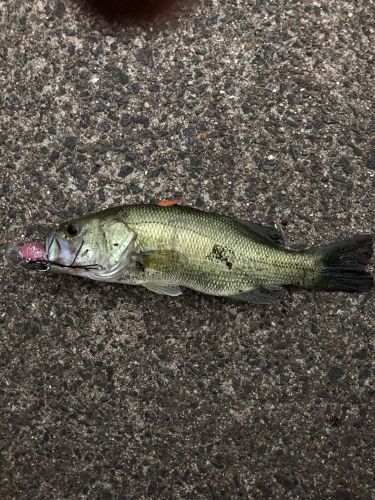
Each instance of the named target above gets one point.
<point>211,253</point>
<point>166,248</point>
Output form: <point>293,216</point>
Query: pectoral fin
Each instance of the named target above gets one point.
<point>162,289</point>
<point>265,295</point>
<point>158,259</point>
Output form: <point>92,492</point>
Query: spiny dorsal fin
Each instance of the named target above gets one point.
<point>169,203</point>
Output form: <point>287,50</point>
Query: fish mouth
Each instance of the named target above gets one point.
<point>58,251</point>
<point>62,258</point>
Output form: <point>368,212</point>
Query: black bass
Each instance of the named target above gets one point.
<point>168,248</point>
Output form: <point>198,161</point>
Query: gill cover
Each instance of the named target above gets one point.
<point>118,247</point>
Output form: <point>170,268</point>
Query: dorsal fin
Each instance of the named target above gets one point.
<point>267,232</point>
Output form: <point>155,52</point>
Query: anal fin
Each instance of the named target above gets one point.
<point>271,294</point>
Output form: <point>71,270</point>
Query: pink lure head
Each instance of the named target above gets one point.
<point>33,252</point>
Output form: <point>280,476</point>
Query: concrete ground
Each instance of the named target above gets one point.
<point>262,110</point>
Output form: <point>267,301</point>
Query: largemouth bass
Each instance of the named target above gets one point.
<point>168,248</point>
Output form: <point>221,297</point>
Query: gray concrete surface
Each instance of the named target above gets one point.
<point>263,110</point>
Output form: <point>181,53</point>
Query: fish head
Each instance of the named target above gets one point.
<point>95,247</point>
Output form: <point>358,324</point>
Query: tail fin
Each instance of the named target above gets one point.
<point>344,265</point>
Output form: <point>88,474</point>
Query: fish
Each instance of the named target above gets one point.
<point>168,247</point>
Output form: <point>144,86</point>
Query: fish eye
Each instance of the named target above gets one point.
<point>73,229</point>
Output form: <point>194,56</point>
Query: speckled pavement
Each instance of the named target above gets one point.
<point>261,110</point>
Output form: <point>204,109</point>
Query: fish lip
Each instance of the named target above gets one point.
<point>48,243</point>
